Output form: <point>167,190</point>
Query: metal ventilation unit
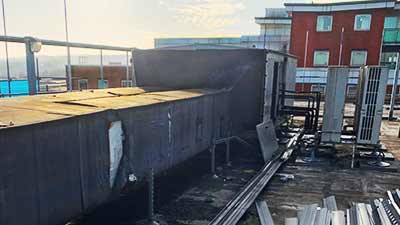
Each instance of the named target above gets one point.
<point>370,99</point>
<point>335,103</point>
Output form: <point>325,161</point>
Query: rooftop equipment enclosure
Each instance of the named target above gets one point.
<point>68,153</point>
<point>334,104</point>
<point>369,110</point>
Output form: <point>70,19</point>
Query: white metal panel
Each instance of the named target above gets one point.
<point>115,136</point>
<point>334,104</point>
<point>267,138</point>
<point>370,112</point>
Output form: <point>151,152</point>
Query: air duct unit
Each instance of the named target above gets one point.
<point>370,99</point>
<point>334,104</point>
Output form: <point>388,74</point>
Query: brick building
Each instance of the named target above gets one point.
<point>89,77</point>
<point>345,33</point>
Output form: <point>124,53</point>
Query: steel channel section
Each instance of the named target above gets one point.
<point>330,203</point>
<point>263,213</point>
<point>291,221</point>
<point>384,219</point>
<point>236,208</point>
<point>338,218</point>
<point>363,215</point>
<point>394,203</point>
<point>309,215</point>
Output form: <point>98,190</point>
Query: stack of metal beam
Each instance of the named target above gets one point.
<point>384,211</point>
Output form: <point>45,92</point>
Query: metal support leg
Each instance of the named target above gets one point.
<point>228,152</point>
<point>213,170</point>
<point>151,220</point>
<point>30,66</point>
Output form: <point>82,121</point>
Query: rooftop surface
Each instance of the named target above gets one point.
<point>22,111</point>
<point>199,201</point>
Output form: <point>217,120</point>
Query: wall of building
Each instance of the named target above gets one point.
<point>113,74</point>
<point>352,40</point>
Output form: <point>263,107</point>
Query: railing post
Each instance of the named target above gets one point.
<point>151,220</point>
<point>134,81</point>
<point>228,151</point>
<point>30,67</point>
<point>213,167</point>
<point>394,88</point>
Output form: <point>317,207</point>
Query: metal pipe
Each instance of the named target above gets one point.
<point>394,88</point>
<point>101,70</point>
<point>30,67</point>
<point>228,152</point>
<point>6,49</point>
<point>305,61</point>
<point>127,69</point>
<point>213,170</point>
<point>37,72</point>
<point>65,44</point>
<point>341,47</point>
<point>151,220</point>
<point>134,81</point>
<point>69,72</point>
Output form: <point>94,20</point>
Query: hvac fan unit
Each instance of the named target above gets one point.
<point>334,104</point>
<point>369,110</point>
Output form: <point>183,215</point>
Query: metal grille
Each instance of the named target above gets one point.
<point>370,101</point>
<point>372,91</point>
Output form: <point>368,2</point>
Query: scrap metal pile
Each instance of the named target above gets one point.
<point>384,211</point>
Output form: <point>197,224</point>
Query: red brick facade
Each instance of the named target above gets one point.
<point>113,74</point>
<point>352,40</point>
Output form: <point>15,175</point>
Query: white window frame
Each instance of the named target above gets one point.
<point>318,86</point>
<point>365,60</point>
<point>79,84</point>
<point>360,29</point>
<point>324,16</point>
<point>128,83</point>
<point>315,52</point>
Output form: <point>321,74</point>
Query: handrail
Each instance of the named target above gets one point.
<point>63,43</point>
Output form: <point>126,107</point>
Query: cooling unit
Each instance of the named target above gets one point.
<point>370,99</point>
<point>335,97</point>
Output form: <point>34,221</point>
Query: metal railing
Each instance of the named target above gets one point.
<point>33,45</point>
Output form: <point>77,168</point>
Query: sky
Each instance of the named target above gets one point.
<point>131,23</point>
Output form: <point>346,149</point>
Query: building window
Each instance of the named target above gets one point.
<point>318,88</point>
<point>83,84</point>
<point>324,23</point>
<point>321,58</point>
<point>101,84</point>
<point>358,58</point>
<point>126,83</point>
<point>83,60</point>
<point>391,22</point>
<point>389,59</point>
<point>362,22</point>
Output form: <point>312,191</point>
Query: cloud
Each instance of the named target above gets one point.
<point>209,14</point>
